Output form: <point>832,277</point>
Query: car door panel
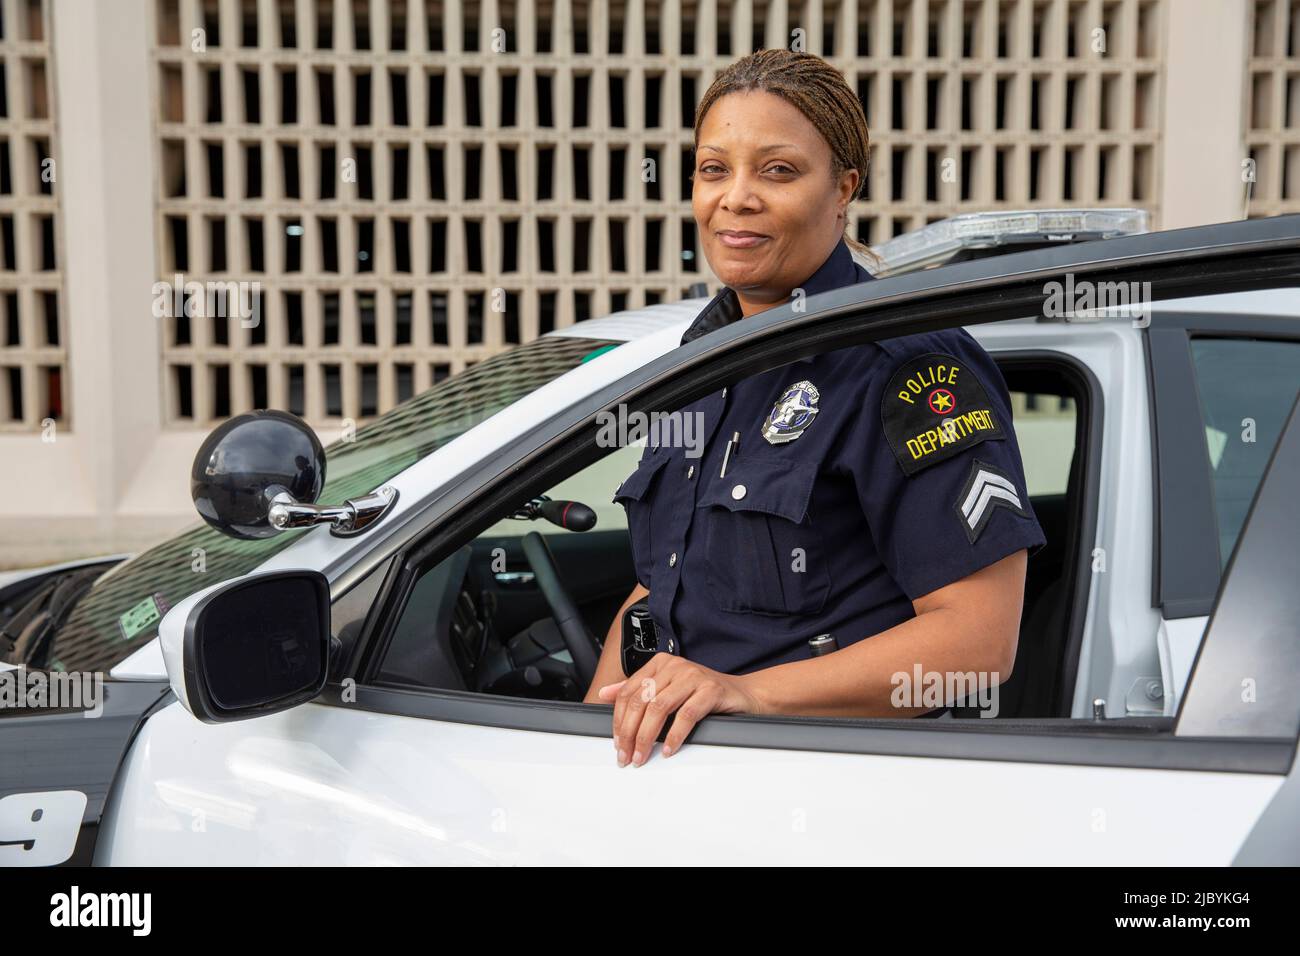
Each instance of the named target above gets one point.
<point>338,785</point>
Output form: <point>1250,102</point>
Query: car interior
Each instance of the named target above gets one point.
<point>523,609</point>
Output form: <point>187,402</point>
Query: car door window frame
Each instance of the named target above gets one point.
<point>1087,440</point>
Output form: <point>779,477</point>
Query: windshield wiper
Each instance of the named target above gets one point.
<point>27,634</point>
<point>13,630</point>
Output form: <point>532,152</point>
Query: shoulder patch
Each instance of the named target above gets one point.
<point>933,408</point>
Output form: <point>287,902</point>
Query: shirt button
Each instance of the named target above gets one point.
<point>672,559</point>
<point>690,473</point>
<point>724,393</point>
<point>738,492</point>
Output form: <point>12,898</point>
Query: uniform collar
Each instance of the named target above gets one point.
<point>838,270</point>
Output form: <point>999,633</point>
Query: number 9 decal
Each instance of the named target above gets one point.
<point>40,829</point>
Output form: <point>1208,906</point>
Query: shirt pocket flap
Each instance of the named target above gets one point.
<point>635,485</point>
<point>775,488</point>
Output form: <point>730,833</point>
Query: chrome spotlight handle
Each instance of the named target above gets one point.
<point>352,517</point>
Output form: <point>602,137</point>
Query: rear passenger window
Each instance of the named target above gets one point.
<point>1247,388</point>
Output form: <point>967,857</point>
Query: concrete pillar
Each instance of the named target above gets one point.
<point>1203,147</point>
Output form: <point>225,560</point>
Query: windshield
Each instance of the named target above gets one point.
<point>121,612</point>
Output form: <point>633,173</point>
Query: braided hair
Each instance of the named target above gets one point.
<point>819,92</point>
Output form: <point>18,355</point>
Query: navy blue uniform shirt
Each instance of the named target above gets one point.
<point>864,478</point>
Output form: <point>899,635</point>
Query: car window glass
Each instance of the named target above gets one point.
<point>1247,388</point>
<point>593,486</point>
<point>477,619</point>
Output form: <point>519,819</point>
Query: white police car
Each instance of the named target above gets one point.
<point>401,683</point>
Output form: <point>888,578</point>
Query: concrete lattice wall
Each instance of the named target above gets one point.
<point>409,191</point>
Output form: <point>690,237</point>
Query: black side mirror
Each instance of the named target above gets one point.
<point>251,647</point>
<point>260,473</point>
<point>246,462</point>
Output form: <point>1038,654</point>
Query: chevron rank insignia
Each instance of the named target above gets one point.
<point>987,489</point>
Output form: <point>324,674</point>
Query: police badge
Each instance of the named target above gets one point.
<point>792,413</point>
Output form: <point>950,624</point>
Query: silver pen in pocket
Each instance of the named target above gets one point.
<point>732,445</point>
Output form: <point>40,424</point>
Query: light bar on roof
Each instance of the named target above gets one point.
<point>939,241</point>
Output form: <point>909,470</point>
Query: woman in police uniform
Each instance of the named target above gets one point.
<point>873,492</point>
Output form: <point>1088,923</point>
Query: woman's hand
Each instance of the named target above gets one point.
<point>670,684</point>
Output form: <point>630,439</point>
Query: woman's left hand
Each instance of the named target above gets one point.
<point>670,684</point>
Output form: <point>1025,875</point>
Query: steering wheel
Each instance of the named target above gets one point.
<point>582,646</point>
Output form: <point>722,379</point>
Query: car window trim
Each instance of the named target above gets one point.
<point>381,626</point>
<point>1146,743</point>
<point>1186,563</point>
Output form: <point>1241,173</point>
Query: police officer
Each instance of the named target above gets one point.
<point>871,492</point>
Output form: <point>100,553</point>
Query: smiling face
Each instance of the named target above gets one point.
<point>767,206</point>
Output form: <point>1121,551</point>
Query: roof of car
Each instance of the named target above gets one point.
<point>634,323</point>
<point>1228,238</point>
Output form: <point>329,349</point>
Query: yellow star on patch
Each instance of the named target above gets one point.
<point>942,400</point>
